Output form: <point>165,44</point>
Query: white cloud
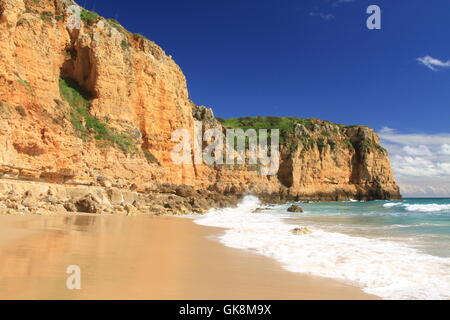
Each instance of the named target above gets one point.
<point>444,168</point>
<point>433,63</point>
<point>445,149</point>
<point>418,151</point>
<point>323,16</point>
<point>410,190</point>
<point>421,162</point>
<point>414,166</point>
<point>429,187</point>
<point>387,130</point>
<point>391,135</point>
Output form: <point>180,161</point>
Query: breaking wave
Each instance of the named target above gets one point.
<point>391,270</point>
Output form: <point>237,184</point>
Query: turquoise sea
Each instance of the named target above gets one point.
<point>422,223</point>
<point>393,249</point>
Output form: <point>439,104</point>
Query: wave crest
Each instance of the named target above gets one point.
<point>392,204</point>
<point>432,207</point>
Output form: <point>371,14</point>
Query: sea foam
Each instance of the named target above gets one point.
<point>391,270</point>
<point>392,204</point>
<point>432,207</point>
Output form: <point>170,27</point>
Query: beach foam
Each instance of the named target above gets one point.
<point>389,269</point>
<point>433,207</point>
<point>392,204</point>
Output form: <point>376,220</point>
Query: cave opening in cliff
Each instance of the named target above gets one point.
<point>285,173</point>
<point>78,67</point>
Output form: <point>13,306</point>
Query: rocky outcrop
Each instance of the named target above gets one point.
<point>295,208</point>
<point>25,197</point>
<point>319,161</point>
<point>301,231</point>
<point>95,106</point>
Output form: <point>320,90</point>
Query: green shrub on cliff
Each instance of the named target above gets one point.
<point>287,125</point>
<point>23,82</point>
<point>307,142</point>
<point>47,16</point>
<point>321,143</point>
<point>150,157</point>
<point>281,123</point>
<point>325,133</point>
<point>349,144</point>
<point>125,45</point>
<point>86,124</point>
<point>88,17</point>
<point>366,145</point>
<point>284,124</point>
<point>114,23</point>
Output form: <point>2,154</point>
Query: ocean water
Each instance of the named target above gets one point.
<point>392,249</point>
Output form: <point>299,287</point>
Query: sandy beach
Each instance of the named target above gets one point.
<point>142,258</point>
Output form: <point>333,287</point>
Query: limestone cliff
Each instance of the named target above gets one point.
<point>83,104</point>
<point>320,160</point>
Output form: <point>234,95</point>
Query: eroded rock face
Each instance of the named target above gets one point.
<point>135,88</point>
<point>140,95</point>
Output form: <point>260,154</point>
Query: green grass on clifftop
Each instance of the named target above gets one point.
<point>287,125</point>
<point>284,124</point>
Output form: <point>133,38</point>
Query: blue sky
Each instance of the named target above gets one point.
<point>314,58</point>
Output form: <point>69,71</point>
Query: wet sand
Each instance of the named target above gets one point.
<point>142,258</point>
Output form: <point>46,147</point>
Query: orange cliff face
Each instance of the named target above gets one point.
<point>136,97</point>
<point>135,88</point>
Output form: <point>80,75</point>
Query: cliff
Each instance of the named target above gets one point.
<point>321,160</point>
<point>95,105</point>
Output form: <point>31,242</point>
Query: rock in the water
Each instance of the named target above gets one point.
<point>88,204</point>
<point>295,208</point>
<point>301,231</point>
<point>258,210</point>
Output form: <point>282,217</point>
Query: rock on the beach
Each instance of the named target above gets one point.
<point>52,200</point>
<point>131,210</point>
<point>88,204</point>
<point>185,191</point>
<point>295,208</point>
<point>29,203</point>
<point>104,182</point>
<point>139,204</point>
<point>70,206</point>
<point>301,231</point>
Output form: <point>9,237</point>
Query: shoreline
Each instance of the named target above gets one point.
<point>154,258</point>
